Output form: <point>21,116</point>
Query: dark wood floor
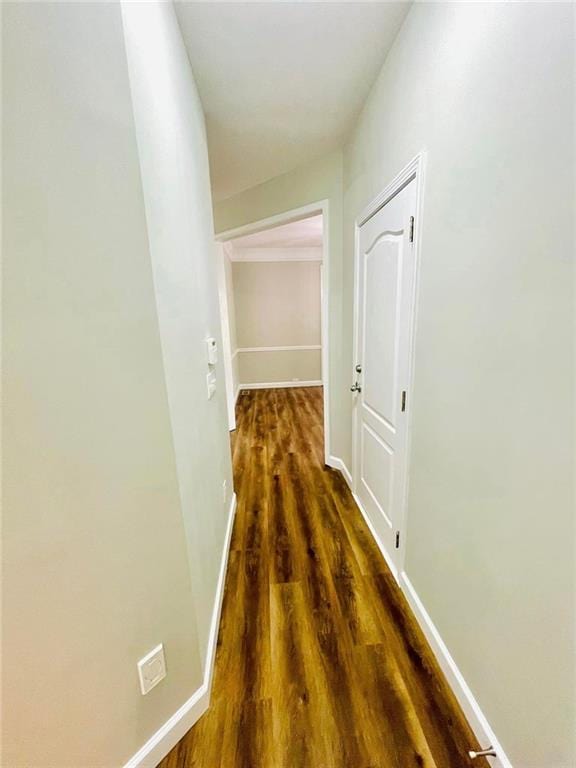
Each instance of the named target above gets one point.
<point>319,661</point>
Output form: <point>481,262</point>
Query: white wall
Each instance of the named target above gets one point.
<point>280,367</point>
<point>97,515</point>
<point>176,183</point>
<point>277,304</point>
<point>231,318</point>
<point>488,90</point>
<point>316,181</point>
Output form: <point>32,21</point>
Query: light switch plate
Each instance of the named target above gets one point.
<point>212,351</point>
<point>152,669</point>
<point>210,384</point>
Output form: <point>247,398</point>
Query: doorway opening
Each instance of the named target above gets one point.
<point>273,292</point>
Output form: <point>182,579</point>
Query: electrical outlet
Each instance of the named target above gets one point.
<point>152,669</point>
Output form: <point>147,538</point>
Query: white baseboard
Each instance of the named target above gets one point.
<point>217,610</point>
<point>280,384</point>
<point>478,722</point>
<point>336,463</point>
<point>166,737</point>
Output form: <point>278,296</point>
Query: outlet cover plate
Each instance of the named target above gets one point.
<point>152,669</point>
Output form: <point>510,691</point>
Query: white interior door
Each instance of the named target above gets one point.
<point>385,273</point>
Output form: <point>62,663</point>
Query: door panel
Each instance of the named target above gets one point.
<point>377,468</point>
<point>385,274</point>
<point>381,272</point>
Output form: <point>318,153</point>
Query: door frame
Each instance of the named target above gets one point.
<point>286,217</point>
<point>414,170</point>
<point>227,353</point>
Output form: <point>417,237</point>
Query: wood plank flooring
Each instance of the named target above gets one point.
<point>320,663</point>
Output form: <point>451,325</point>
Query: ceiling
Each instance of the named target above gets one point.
<point>281,83</point>
<point>306,233</point>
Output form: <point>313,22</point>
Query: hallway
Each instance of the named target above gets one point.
<point>317,227</point>
<point>319,662</point>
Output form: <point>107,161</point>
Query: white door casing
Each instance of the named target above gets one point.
<point>226,341</point>
<point>384,312</point>
<point>320,207</point>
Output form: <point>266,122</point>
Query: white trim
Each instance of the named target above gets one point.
<point>355,352</point>
<point>476,718</point>
<point>325,323</point>
<point>470,707</point>
<point>411,170</point>
<point>227,355</point>
<point>415,169</point>
<point>280,384</point>
<point>235,353</point>
<point>295,214</point>
<point>217,610</point>
<point>336,463</point>
<point>168,735</point>
<point>299,348</point>
<point>419,164</point>
<point>251,255</point>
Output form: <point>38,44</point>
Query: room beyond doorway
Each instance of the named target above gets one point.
<point>274,309</point>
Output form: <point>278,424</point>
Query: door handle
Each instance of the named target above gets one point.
<point>355,387</point>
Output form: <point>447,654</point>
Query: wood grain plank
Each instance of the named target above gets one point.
<point>320,662</point>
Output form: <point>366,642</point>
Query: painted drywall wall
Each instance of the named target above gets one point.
<point>174,161</point>
<point>113,459</point>
<point>277,304</point>
<point>320,180</point>
<point>291,366</point>
<point>95,566</point>
<point>487,90</point>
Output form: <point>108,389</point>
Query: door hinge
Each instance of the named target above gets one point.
<point>403,400</point>
<point>397,539</point>
<point>411,229</point>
